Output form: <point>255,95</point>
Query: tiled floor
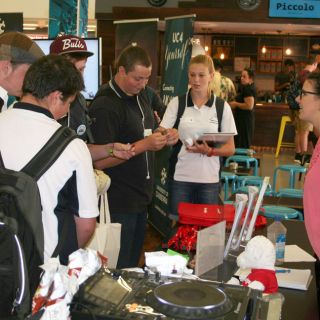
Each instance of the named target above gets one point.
<point>267,164</point>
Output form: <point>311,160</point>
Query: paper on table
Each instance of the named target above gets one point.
<point>293,253</point>
<point>295,279</point>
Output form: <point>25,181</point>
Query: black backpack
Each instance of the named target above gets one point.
<point>219,103</point>
<point>21,230</point>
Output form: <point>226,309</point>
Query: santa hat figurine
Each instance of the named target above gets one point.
<point>259,256</point>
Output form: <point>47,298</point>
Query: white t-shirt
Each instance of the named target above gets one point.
<point>4,97</point>
<point>22,134</point>
<point>196,167</point>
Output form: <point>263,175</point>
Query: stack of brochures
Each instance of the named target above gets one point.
<point>293,278</point>
<point>287,278</point>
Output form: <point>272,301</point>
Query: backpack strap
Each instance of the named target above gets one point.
<point>43,160</point>
<point>49,153</point>
<point>181,107</point>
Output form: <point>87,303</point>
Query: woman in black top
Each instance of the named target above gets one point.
<point>244,109</point>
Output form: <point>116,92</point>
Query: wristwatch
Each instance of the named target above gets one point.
<point>110,151</point>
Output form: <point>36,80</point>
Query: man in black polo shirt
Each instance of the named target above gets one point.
<point>121,112</point>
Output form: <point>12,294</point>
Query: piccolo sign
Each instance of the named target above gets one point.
<point>294,8</point>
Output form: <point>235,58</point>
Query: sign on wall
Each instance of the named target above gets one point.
<point>294,8</point>
<point>68,17</point>
<point>177,54</point>
<point>143,32</point>
<point>11,22</point>
<point>178,34</point>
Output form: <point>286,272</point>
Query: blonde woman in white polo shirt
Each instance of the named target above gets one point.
<point>194,167</point>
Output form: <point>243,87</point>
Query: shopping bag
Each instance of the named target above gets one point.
<point>205,215</point>
<point>103,181</point>
<point>107,236</point>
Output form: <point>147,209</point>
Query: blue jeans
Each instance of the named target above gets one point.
<point>202,193</point>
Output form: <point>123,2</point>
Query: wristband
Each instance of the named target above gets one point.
<point>210,153</point>
<point>110,152</point>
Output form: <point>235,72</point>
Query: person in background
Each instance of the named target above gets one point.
<point>196,167</point>
<point>17,53</point>
<point>222,86</point>
<point>243,106</point>
<point>75,50</point>
<point>284,78</point>
<point>121,111</point>
<point>309,101</point>
<point>302,127</point>
<point>67,189</point>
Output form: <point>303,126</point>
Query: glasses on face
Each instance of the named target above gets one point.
<point>304,93</point>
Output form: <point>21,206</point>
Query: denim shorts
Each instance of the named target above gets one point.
<point>192,192</point>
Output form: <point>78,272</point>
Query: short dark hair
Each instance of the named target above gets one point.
<point>314,77</point>
<point>131,56</point>
<point>289,62</point>
<point>250,72</point>
<point>52,73</point>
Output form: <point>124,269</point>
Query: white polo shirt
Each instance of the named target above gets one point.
<point>195,121</point>
<point>68,184</point>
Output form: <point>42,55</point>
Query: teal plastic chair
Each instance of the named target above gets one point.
<point>244,159</point>
<point>242,183</point>
<point>293,169</point>
<point>226,178</point>
<point>248,180</point>
<point>271,211</point>
<point>289,192</point>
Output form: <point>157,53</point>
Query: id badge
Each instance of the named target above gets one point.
<point>147,132</point>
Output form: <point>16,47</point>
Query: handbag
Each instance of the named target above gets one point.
<point>103,181</point>
<point>206,215</point>
<point>107,236</point>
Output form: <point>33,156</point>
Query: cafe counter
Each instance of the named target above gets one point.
<point>267,124</point>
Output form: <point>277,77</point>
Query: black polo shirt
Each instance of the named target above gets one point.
<point>117,117</point>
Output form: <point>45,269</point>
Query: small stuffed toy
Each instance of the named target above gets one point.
<point>259,256</point>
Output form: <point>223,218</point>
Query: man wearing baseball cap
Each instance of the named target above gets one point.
<point>17,53</point>
<point>75,50</point>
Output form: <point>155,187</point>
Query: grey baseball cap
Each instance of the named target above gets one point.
<point>19,48</point>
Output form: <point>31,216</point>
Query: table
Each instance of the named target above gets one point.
<point>302,305</point>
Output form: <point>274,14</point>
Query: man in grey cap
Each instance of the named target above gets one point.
<point>17,53</point>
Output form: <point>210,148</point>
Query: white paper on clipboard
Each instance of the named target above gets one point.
<point>216,137</point>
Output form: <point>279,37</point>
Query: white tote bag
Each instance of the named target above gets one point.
<point>107,236</point>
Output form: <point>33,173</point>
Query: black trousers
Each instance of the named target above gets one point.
<point>133,229</point>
